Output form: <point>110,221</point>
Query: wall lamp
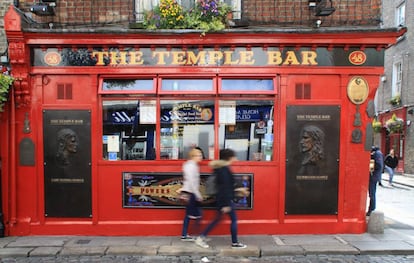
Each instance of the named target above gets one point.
<point>321,7</point>
<point>44,8</point>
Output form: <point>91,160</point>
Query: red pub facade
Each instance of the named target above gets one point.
<point>99,123</point>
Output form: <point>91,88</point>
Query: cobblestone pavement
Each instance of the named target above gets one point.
<point>196,259</point>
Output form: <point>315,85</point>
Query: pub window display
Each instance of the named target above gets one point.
<point>124,136</point>
<point>184,125</point>
<point>133,123</point>
<point>246,126</point>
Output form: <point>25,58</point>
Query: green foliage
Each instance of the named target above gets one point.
<point>5,84</point>
<point>376,126</point>
<point>396,100</point>
<point>207,16</point>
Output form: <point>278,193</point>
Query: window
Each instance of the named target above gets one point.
<point>165,126</point>
<point>127,85</point>
<point>179,85</point>
<point>396,79</point>
<point>246,126</point>
<point>144,5</point>
<point>128,129</point>
<point>186,124</point>
<point>249,85</point>
<point>400,15</point>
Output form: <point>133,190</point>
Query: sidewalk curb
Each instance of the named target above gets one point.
<point>392,242</point>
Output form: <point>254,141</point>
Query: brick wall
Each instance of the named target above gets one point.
<point>257,12</point>
<point>297,12</point>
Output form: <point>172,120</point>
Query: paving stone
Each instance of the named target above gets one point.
<point>44,251</point>
<point>159,241</point>
<point>77,251</point>
<point>15,252</point>
<point>187,250</point>
<point>270,250</point>
<point>384,247</point>
<point>100,241</point>
<point>330,249</point>
<point>249,251</point>
<point>309,239</point>
<point>132,250</point>
<point>36,241</point>
<point>4,241</point>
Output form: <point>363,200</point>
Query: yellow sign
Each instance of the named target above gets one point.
<point>358,90</point>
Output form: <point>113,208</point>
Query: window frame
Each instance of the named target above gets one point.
<point>127,77</point>
<point>216,96</point>
<point>272,77</point>
<point>397,76</point>
<point>199,77</point>
<point>400,14</point>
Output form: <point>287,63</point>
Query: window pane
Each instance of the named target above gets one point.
<point>184,125</point>
<point>250,134</point>
<point>247,84</point>
<point>124,136</point>
<point>127,84</point>
<point>187,85</point>
<point>401,15</point>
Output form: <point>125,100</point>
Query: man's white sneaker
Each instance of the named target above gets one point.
<point>201,243</point>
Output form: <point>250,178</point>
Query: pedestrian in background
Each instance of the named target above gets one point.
<point>224,198</point>
<point>191,189</point>
<point>377,160</point>
<point>390,162</point>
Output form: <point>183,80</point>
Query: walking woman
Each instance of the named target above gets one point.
<point>191,188</point>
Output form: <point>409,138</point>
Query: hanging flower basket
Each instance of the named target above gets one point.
<point>395,124</point>
<point>376,126</point>
<point>5,84</point>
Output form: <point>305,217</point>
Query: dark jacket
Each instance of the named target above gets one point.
<point>225,182</point>
<point>379,163</point>
<point>391,161</point>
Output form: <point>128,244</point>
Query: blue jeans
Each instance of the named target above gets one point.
<point>217,219</point>
<point>389,171</point>
<point>192,211</point>
<point>372,190</point>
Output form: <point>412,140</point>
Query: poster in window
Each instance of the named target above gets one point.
<point>148,112</point>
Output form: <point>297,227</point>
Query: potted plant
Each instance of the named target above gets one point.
<point>394,124</point>
<point>396,100</point>
<point>5,84</point>
<point>376,126</point>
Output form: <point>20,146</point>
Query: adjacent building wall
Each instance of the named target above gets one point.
<point>402,51</point>
<point>4,5</point>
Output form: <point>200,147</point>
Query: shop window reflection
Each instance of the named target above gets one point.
<point>248,130</point>
<point>184,125</point>
<point>124,137</point>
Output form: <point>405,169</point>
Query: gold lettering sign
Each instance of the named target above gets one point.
<point>204,58</point>
<point>358,90</point>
